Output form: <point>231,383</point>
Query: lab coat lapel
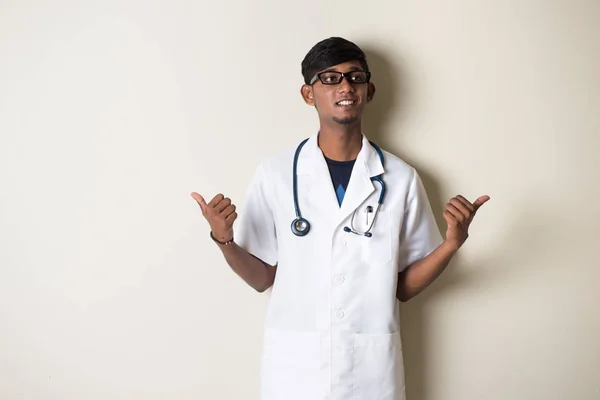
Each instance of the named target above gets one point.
<point>360,186</point>
<point>319,194</point>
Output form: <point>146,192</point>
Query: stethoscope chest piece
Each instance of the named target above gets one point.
<point>300,227</point>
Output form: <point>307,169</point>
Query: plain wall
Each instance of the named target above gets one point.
<point>111,113</point>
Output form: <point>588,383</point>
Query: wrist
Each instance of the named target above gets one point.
<point>451,246</point>
<point>222,241</point>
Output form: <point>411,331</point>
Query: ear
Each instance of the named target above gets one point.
<point>307,94</point>
<point>370,92</point>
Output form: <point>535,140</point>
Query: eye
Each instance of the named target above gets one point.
<point>330,78</point>
<point>358,77</point>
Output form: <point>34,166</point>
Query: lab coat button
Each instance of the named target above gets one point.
<point>339,279</point>
<point>339,314</point>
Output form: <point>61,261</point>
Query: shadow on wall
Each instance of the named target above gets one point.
<point>393,97</point>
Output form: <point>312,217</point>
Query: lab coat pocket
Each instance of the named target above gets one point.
<point>290,365</point>
<point>378,369</point>
<point>377,250</point>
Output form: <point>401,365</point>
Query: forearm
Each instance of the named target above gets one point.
<point>252,270</point>
<point>416,277</point>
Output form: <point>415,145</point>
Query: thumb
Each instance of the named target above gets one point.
<point>480,201</point>
<point>200,200</point>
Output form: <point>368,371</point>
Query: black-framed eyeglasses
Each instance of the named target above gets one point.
<point>335,77</point>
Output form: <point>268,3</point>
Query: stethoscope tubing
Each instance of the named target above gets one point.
<point>300,226</point>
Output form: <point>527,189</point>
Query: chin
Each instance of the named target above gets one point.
<point>346,120</point>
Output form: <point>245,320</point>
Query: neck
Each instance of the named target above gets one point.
<point>340,143</point>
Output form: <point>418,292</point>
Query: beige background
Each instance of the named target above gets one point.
<point>112,113</point>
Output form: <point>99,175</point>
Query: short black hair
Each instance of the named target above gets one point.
<point>330,52</point>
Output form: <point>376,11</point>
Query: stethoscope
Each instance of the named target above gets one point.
<point>301,227</point>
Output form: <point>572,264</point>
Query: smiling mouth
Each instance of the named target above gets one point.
<point>346,103</point>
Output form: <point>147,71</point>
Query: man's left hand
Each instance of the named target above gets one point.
<point>459,214</point>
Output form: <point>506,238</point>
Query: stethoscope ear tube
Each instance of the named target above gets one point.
<point>349,230</point>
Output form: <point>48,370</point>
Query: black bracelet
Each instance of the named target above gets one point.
<point>218,241</point>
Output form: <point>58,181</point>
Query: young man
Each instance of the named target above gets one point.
<point>340,231</point>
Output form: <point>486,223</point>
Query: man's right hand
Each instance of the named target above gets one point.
<point>220,214</point>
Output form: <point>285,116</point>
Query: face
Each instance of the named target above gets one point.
<point>343,102</point>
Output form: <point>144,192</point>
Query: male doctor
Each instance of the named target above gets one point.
<point>339,230</point>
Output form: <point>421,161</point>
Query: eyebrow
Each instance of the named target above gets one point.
<point>351,69</point>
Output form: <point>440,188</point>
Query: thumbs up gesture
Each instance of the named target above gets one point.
<point>220,214</point>
<point>459,213</point>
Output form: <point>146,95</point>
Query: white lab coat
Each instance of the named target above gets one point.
<point>332,326</point>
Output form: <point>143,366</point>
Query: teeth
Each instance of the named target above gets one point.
<point>345,103</point>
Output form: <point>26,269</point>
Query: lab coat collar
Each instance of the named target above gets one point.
<point>311,156</point>
<point>312,162</point>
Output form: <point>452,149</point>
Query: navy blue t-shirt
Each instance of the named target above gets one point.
<point>340,176</point>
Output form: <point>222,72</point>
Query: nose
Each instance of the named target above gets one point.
<point>345,86</point>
